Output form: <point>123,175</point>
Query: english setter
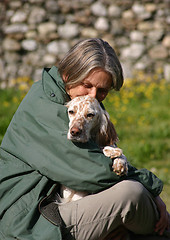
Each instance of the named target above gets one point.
<point>88,120</point>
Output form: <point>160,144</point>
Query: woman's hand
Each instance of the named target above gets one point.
<point>120,233</point>
<point>164,221</point>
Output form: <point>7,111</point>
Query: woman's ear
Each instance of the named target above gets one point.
<point>107,134</point>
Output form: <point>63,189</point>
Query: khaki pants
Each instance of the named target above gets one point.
<point>93,217</point>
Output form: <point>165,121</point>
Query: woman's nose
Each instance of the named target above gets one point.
<point>93,92</point>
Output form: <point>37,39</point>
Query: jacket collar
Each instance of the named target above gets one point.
<point>53,85</point>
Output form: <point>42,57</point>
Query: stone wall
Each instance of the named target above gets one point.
<point>36,33</point>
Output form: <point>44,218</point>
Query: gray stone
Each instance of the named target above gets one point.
<point>31,34</point>
<point>138,8</point>
<point>2,73</point>
<point>116,27</point>
<point>155,35</point>
<point>168,19</point>
<point>145,26</point>
<point>24,70</point>
<point>98,9</point>
<point>166,41</point>
<point>36,1</point>
<point>33,59</point>
<point>46,28</point>
<point>37,15</point>
<point>37,75</point>
<point>142,64</point>
<point>19,17</point>
<point>49,59</point>
<point>52,6</point>
<point>122,41</point>
<point>57,47</point>
<point>11,57</point>
<point>15,4</point>
<point>128,14</point>
<point>150,7</point>
<point>11,45</point>
<point>141,11</point>
<point>102,24</point>
<point>167,72</point>
<point>16,28</point>
<point>134,51</point>
<point>29,45</point>
<point>127,69</point>
<point>114,11</point>
<point>3,84</point>
<point>158,52</point>
<point>68,30</point>
<point>11,70</point>
<point>136,36</point>
<point>9,14</point>
<point>89,32</point>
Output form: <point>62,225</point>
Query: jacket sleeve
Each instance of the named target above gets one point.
<point>37,136</point>
<point>152,183</point>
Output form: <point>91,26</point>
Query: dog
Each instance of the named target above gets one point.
<point>88,120</point>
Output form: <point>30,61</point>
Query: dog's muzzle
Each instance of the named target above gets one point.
<point>77,134</point>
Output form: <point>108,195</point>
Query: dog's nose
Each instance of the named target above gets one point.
<point>75,131</point>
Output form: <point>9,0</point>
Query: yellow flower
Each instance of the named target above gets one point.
<point>125,101</point>
<point>146,105</point>
<point>130,119</point>
<point>123,108</point>
<point>113,120</point>
<point>15,99</point>
<point>6,104</point>
<point>141,120</point>
<point>23,87</point>
<point>131,94</point>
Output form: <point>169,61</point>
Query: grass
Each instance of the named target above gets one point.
<point>140,113</point>
<point>10,100</point>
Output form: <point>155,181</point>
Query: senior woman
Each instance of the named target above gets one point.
<point>36,158</point>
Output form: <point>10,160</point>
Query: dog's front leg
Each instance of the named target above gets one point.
<point>112,152</point>
<point>120,166</point>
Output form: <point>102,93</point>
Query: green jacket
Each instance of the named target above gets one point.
<point>35,155</point>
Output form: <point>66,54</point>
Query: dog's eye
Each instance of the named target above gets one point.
<point>90,115</point>
<point>71,112</point>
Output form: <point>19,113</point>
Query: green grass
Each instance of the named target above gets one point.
<point>141,115</point>
<point>9,100</point>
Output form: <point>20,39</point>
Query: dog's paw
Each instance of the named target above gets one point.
<point>120,166</point>
<point>112,152</point>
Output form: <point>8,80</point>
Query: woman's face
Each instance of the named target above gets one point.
<point>97,84</point>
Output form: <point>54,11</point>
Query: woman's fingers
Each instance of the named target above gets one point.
<point>164,221</point>
<point>162,224</point>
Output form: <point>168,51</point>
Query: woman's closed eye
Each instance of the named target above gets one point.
<point>99,90</point>
<point>87,85</point>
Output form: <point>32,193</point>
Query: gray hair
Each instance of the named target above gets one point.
<point>87,55</point>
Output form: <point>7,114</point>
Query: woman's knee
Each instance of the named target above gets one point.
<point>130,190</point>
<point>139,211</point>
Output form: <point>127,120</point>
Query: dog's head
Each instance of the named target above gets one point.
<point>89,120</point>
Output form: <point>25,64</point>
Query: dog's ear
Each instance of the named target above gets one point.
<point>107,134</point>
